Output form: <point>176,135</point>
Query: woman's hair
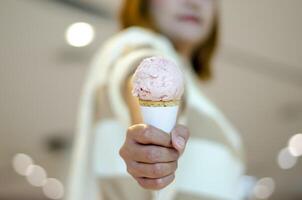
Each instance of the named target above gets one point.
<point>136,13</point>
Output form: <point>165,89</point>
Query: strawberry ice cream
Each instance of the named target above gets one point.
<point>158,79</point>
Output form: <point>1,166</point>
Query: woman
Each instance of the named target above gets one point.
<point>110,123</point>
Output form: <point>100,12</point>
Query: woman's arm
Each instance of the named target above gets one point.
<point>132,102</point>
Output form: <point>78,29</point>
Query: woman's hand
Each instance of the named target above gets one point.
<point>151,155</point>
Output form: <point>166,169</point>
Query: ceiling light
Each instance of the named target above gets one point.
<point>79,34</point>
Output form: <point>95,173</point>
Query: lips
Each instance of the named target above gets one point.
<point>189,18</point>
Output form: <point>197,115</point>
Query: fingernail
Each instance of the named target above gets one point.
<point>180,142</point>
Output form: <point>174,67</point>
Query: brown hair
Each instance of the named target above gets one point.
<point>135,13</point>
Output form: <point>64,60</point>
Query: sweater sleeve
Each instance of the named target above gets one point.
<point>135,45</point>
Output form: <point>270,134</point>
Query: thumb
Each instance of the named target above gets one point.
<point>180,135</point>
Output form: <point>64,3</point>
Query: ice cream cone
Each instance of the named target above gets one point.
<point>158,83</point>
<point>160,114</point>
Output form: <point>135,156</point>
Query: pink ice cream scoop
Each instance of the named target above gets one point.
<point>158,79</point>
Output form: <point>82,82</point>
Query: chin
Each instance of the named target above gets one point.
<point>190,37</point>
<point>189,33</point>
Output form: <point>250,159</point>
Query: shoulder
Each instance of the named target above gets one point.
<point>137,36</point>
<point>140,34</point>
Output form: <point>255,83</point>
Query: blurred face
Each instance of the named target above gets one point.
<point>185,21</point>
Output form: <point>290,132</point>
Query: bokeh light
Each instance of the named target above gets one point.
<point>264,188</point>
<point>53,188</point>
<point>79,34</point>
<point>285,159</point>
<point>21,162</point>
<point>246,185</point>
<point>36,175</point>
<point>295,145</point>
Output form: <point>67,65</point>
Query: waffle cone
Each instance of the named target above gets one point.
<point>160,114</point>
<point>148,103</point>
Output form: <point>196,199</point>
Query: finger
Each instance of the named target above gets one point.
<point>147,134</point>
<point>156,170</point>
<point>152,153</point>
<point>180,135</point>
<point>157,183</point>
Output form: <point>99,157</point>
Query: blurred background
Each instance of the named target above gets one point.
<point>43,62</point>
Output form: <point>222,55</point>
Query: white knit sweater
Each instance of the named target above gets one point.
<point>212,164</point>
